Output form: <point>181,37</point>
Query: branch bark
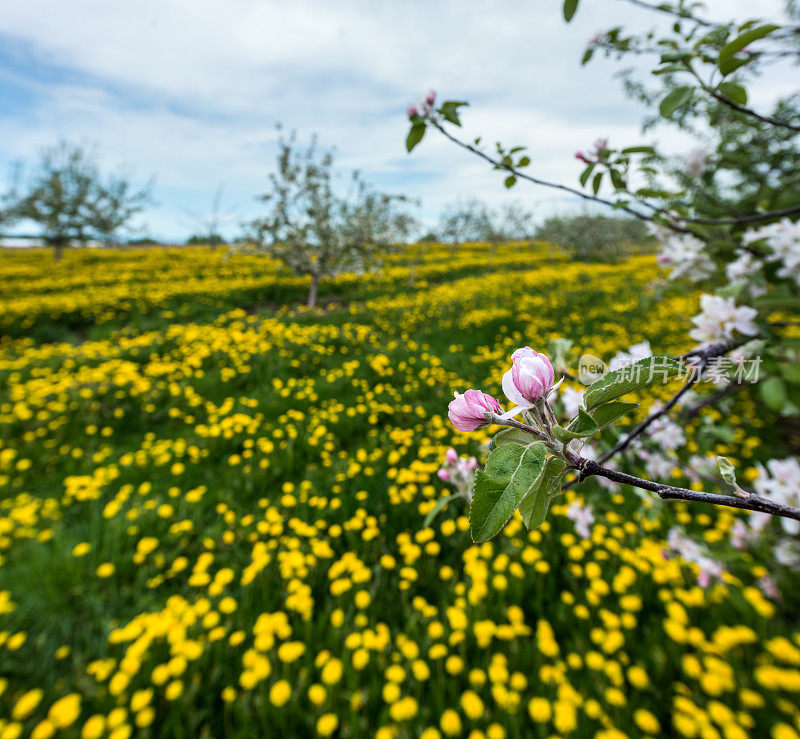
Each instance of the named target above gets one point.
<point>589,467</point>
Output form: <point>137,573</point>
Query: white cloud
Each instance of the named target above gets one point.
<point>190,91</point>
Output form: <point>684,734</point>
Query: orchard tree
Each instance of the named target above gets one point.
<point>113,205</point>
<point>473,220</point>
<point>462,221</point>
<point>727,215</point>
<point>68,199</point>
<point>317,232</point>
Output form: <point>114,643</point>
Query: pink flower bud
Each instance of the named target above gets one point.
<point>582,157</point>
<point>430,98</point>
<point>601,144</point>
<point>451,455</point>
<point>411,110</point>
<point>472,410</point>
<point>530,378</point>
<point>472,463</point>
<point>444,475</point>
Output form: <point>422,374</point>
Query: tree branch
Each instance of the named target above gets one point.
<point>689,413</point>
<point>725,100</point>
<point>589,467</point>
<point>666,408</point>
<point>497,164</point>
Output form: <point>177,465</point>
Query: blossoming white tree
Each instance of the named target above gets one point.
<point>726,213</point>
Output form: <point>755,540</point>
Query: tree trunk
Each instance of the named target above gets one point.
<point>58,251</point>
<point>312,292</point>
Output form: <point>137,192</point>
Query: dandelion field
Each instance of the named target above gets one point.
<point>213,505</point>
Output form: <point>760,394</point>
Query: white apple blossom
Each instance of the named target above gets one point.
<point>691,551</point>
<point>582,517</point>
<point>783,241</point>
<point>787,553</point>
<point>696,162</point>
<point>686,255</point>
<point>720,318</point>
<point>634,353</point>
<point>666,433</point>
<point>780,481</point>
<point>572,400</point>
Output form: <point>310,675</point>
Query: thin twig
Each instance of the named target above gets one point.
<point>669,492</point>
<point>666,408</point>
<point>689,413</point>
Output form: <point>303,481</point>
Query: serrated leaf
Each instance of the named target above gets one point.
<point>441,503</point>
<point>627,379</point>
<point>609,412</point>
<point>580,427</point>
<point>415,134</point>
<point>570,6</point>
<point>678,97</point>
<point>727,471</point>
<point>734,91</point>
<point>511,471</point>
<point>533,508</point>
<point>743,39</point>
<point>510,436</point>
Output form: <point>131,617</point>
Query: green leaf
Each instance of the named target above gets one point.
<point>638,150</point>
<point>581,426</point>
<point>511,471</point>
<point>627,379</point>
<point>449,111</point>
<point>415,134</point>
<point>731,64</point>
<point>570,6</point>
<point>773,391</point>
<point>727,471</point>
<point>535,504</point>
<point>678,97</point>
<point>441,503</point>
<point>777,302</point>
<point>587,55</point>
<point>616,179</point>
<point>524,162</point>
<point>510,436</point>
<point>586,174</point>
<point>510,181</point>
<point>609,412</point>
<point>596,180</point>
<point>734,91</point>
<point>743,39</point>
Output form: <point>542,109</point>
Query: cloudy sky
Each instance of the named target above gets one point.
<point>189,91</point>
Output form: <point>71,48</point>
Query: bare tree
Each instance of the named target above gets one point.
<point>316,232</point>
<point>67,198</point>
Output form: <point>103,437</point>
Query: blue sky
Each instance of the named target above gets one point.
<point>189,92</point>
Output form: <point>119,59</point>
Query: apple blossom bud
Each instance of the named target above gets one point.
<point>582,157</point>
<point>411,110</point>
<point>601,144</point>
<point>472,410</point>
<point>472,463</point>
<point>430,98</point>
<point>530,378</point>
<point>451,455</point>
<point>444,475</point>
